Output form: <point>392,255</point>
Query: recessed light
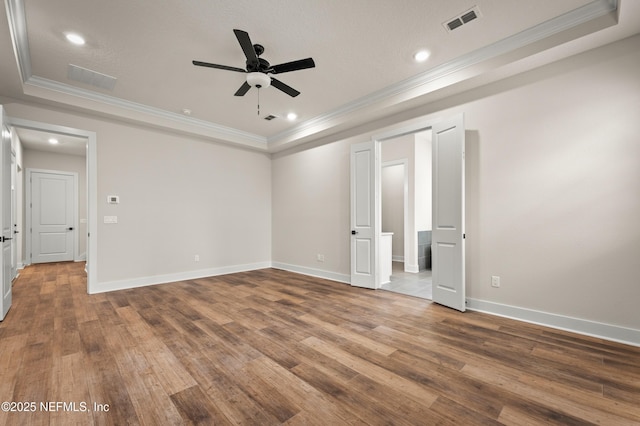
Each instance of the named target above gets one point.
<point>54,141</point>
<point>421,56</point>
<point>75,38</point>
<point>292,116</point>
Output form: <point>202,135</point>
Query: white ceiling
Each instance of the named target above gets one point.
<point>39,141</point>
<point>362,49</point>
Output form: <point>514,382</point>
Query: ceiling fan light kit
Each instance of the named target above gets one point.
<point>259,80</point>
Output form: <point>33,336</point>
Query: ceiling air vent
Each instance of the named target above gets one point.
<point>93,78</point>
<point>463,18</point>
<point>270,117</point>
<point>452,25</point>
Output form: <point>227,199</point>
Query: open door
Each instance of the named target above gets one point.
<point>363,193</point>
<point>448,268</point>
<point>5,215</point>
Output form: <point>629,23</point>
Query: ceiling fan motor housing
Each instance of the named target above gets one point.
<point>258,79</point>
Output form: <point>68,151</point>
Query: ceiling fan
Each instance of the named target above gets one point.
<point>259,70</point>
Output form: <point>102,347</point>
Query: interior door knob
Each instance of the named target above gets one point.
<point>70,228</point>
<point>354,232</point>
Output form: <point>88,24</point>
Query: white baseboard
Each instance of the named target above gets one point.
<point>614,333</point>
<point>397,258</point>
<point>313,272</point>
<point>414,269</point>
<point>103,287</point>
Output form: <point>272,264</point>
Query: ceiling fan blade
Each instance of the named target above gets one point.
<point>247,46</point>
<point>243,89</point>
<point>300,64</point>
<point>286,89</point>
<point>221,67</point>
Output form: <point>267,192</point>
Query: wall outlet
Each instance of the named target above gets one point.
<point>495,281</point>
<point>320,258</point>
<point>196,258</point>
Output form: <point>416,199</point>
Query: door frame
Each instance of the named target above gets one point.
<point>29,224</point>
<point>420,126</point>
<point>14,215</point>
<point>6,227</point>
<point>405,201</point>
<point>92,188</point>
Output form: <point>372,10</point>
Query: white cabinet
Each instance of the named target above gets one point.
<point>385,257</point>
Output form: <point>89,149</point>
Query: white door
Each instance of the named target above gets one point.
<point>5,215</point>
<point>448,269</point>
<point>363,192</point>
<point>52,216</point>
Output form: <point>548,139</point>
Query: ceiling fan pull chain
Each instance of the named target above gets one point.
<point>258,101</point>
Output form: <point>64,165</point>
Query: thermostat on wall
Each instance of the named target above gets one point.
<point>113,199</point>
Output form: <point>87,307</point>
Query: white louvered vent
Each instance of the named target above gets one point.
<point>93,78</point>
<point>462,19</point>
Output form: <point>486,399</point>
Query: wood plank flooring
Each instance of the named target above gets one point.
<point>271,347</point>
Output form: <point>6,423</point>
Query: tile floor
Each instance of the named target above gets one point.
<point>412,284</point>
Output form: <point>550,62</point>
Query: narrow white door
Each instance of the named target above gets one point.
<point>448,269</point>
<point>52,217</point>
<point>363,241</point>
<point>5,215</point>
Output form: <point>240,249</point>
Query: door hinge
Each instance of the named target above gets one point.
<point>464,236</point>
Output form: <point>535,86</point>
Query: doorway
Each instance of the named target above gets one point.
<point>87,223</point>
<point>448,210</point>
<point>406,211</point>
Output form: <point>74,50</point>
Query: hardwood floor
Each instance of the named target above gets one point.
<point>273,347</point>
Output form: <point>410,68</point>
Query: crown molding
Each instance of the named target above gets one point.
<point>423,83</point>
<point>447,74</point>
<point>53,90</point>
<point>111,105</point>
<point>18,29</point>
